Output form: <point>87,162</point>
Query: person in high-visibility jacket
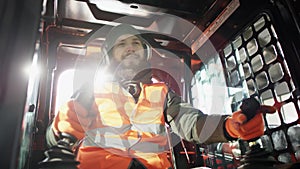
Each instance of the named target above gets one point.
<point>124,123</point>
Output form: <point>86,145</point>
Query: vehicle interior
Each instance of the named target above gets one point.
<point>213,53</point>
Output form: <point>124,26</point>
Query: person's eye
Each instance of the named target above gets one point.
<point>137,43</point>
<point>122,44</point>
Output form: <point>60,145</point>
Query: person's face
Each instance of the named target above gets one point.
<point>128,58</point>
<point>129,50</point>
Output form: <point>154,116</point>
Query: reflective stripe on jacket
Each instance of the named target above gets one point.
<point>125,129</point>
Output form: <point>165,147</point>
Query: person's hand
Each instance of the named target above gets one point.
<point>73,118</point>
<point>238,126</point>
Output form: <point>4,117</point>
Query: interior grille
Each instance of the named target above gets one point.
<point>255,62</point>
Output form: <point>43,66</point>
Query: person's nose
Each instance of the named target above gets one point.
<point>130,48</point>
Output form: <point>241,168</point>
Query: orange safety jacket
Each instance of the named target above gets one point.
<point>124,129</point>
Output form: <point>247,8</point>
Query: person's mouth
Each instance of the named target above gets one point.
<point>130,56</point>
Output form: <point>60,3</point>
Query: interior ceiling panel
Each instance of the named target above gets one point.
<point>191,7</point>
<point>146,15</point>
<point>199,12</point>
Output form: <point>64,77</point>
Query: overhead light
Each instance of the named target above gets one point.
<point>131,9</point>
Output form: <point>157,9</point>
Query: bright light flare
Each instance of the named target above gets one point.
<point>119,7</point>
<point>34,69</point>
<point>101,77</point>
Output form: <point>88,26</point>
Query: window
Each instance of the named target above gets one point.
<point>64,88</point>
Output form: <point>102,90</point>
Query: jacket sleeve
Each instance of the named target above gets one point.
<point>193,125</point>
<point>74,116</point>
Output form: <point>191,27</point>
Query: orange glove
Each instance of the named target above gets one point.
<point>73,119</point>
<point>237,125</point>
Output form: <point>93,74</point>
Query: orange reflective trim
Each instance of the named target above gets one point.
<point>155,93</point>
<point>117,109</point>
<point>141,124</point>
<point>96,158</point>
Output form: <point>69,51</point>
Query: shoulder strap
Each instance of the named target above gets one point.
<point>165,109</point>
